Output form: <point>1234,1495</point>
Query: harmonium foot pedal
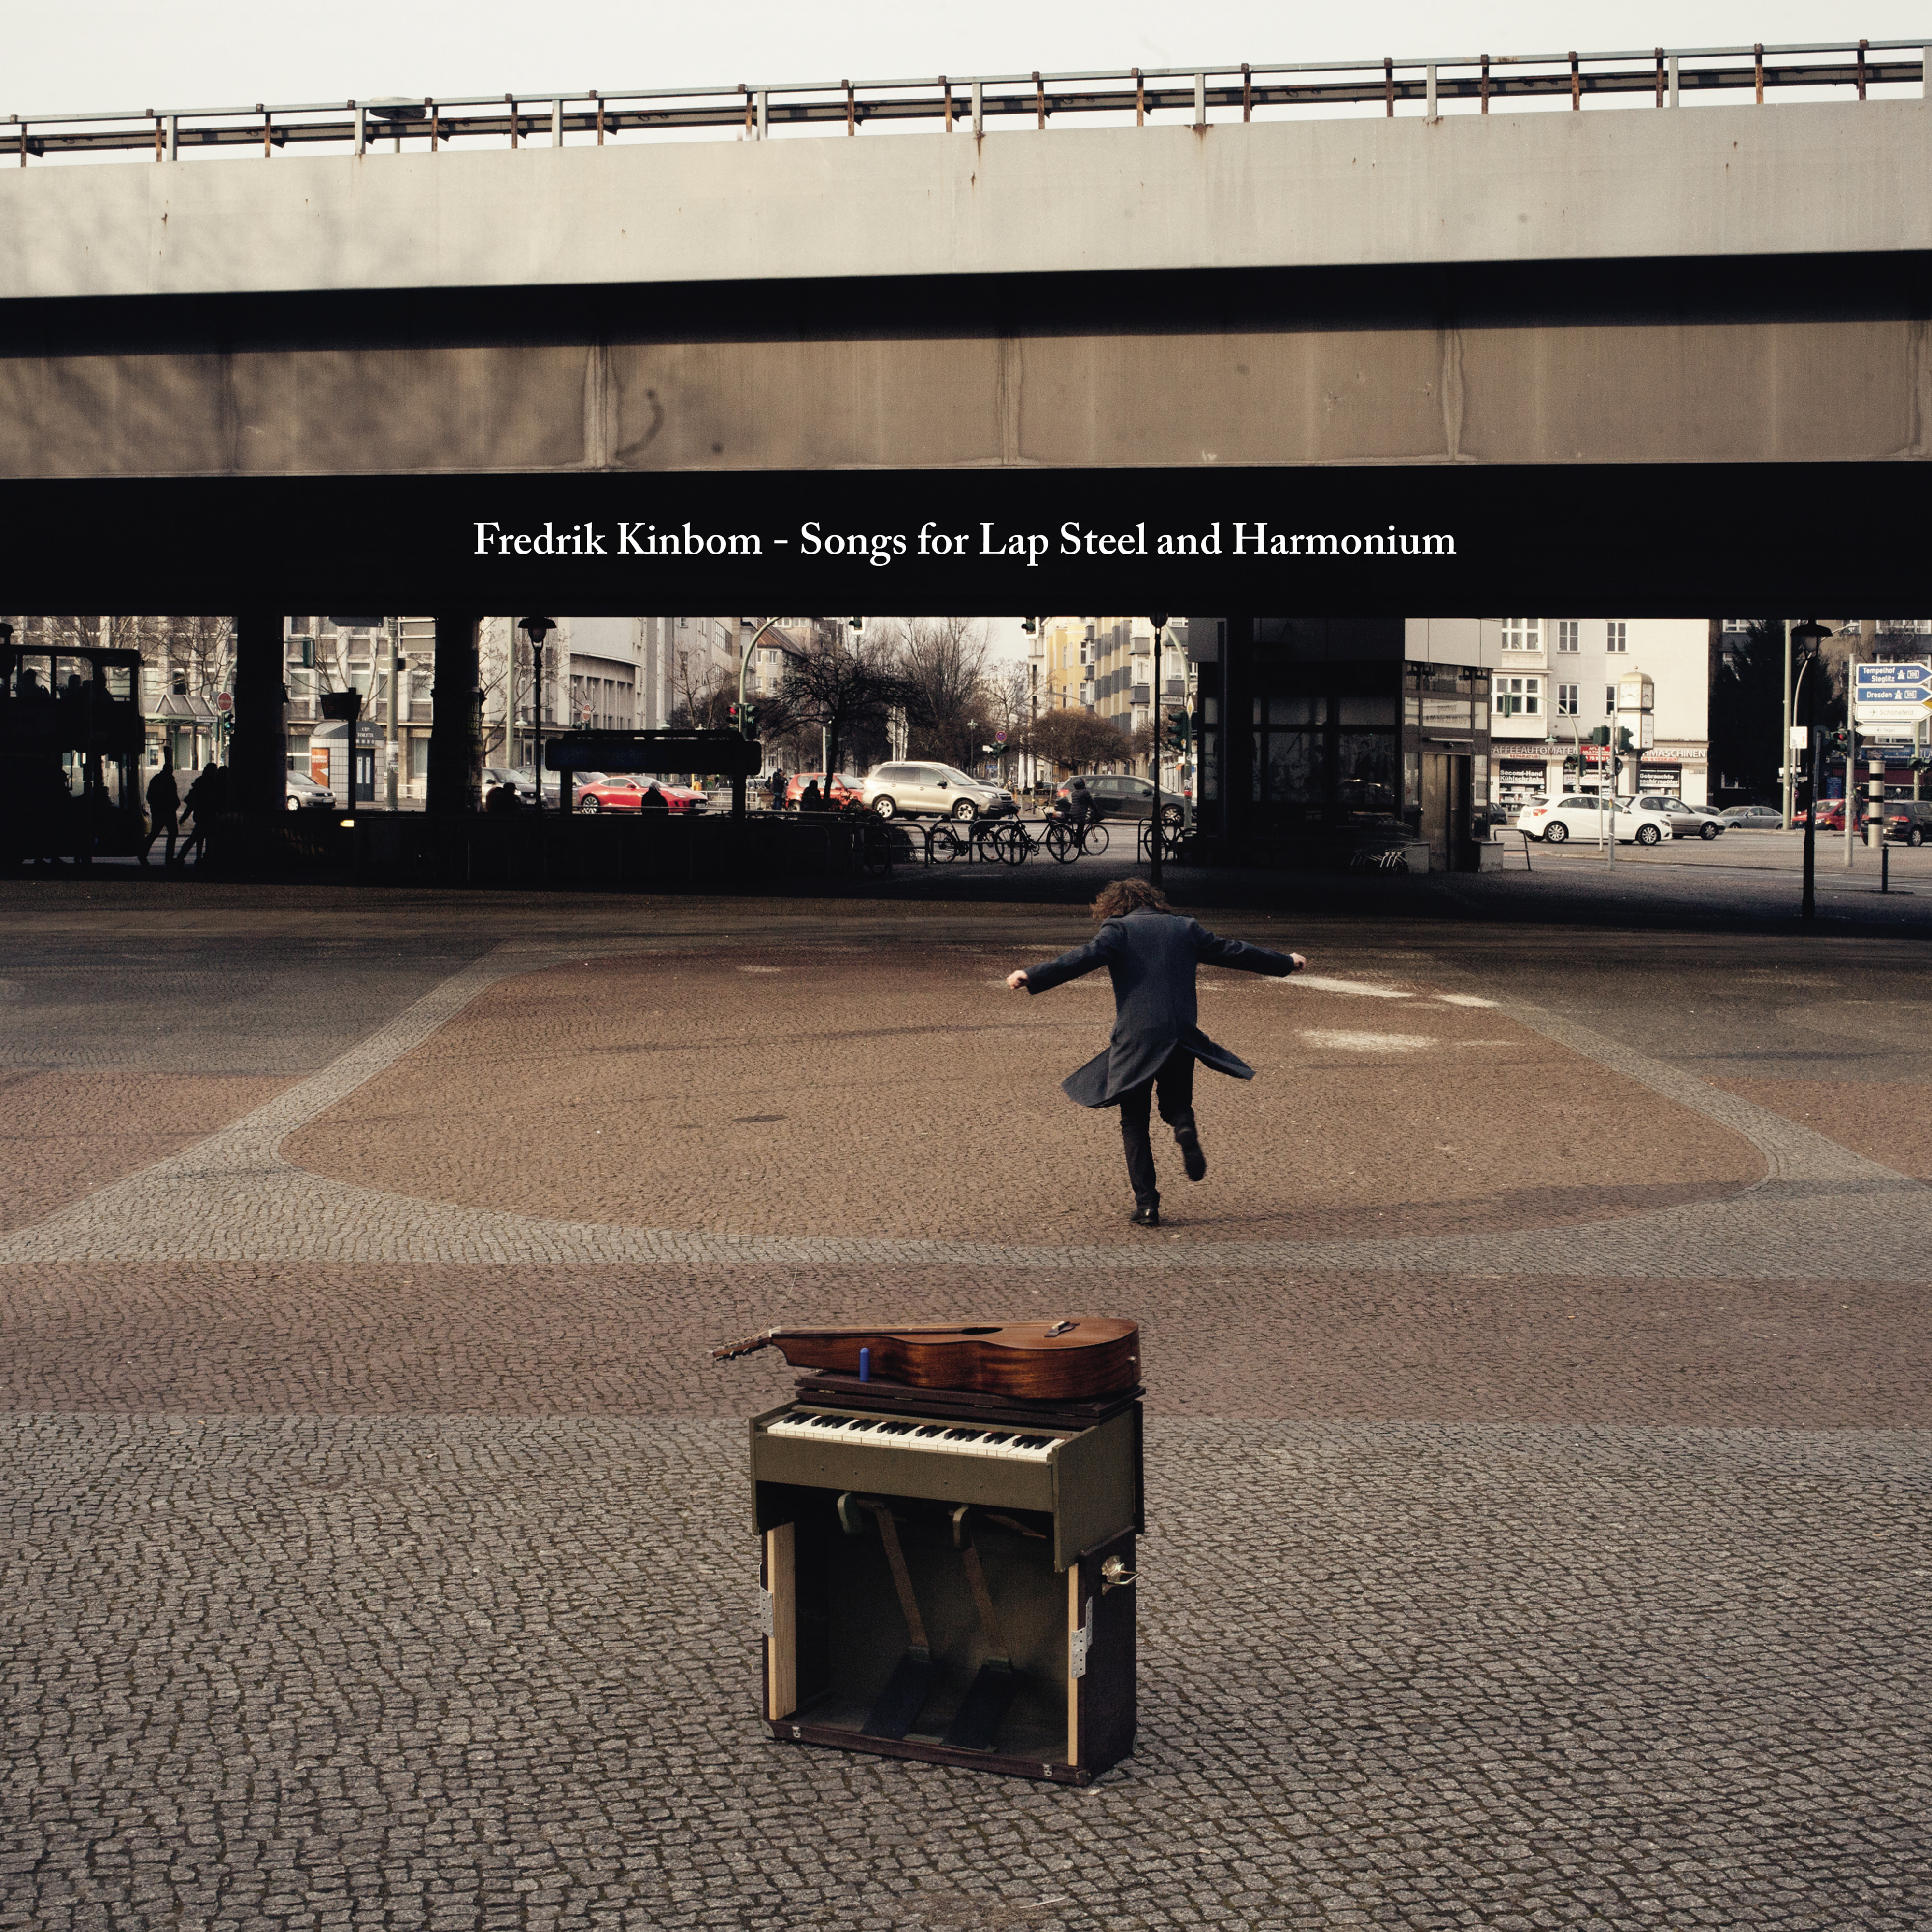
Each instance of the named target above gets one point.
<point>949,1543</point>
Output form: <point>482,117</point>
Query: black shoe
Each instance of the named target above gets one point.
<point>1191,1158</point>
<point>1144,1217</point>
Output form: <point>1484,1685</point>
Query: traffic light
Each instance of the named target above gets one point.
<point>751,721</point>
<point>1031,625</point>
<point>732,712</point>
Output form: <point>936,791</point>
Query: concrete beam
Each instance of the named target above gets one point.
<point>1719,180</point>
<point>1856,388</point>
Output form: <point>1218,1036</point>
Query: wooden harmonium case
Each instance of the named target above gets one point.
<point>947,1573</point>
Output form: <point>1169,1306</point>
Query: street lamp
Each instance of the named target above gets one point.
<point>1809,633</point>
<point>744,665</point>
<point>1153,823</point>
<point>536,629</point>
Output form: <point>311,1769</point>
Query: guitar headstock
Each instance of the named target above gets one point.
<point>731,1350</point>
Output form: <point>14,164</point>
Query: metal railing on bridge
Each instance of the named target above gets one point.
<point>1867,69</point>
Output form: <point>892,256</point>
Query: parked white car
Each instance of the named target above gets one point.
<point>1582,815</point>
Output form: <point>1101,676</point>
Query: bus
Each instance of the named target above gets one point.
<point>71,742</point>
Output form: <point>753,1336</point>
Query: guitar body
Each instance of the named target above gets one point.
<point>1031,1361</point>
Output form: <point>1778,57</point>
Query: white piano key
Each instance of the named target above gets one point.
<point>951,1438</point>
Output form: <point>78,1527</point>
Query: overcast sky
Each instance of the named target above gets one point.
<point>83,54</point>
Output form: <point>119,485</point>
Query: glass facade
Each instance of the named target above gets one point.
<point>1319,735</point>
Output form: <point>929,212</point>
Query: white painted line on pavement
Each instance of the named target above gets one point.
<point>1367,1042</point>
<point>1316,983</point>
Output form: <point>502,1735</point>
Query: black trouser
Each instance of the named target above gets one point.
<point>1175,1083</point>
<point>169,823</point>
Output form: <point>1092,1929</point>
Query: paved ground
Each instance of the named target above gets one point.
<point>1540,1507</point>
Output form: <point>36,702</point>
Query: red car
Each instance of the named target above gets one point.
<point>1832,816</point>
<point>847,789</point>
<point>627,794</point>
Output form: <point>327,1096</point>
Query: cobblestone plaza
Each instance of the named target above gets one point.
<point>1538,1395</point>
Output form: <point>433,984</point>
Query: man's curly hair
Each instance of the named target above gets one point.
<point>1119,897</point>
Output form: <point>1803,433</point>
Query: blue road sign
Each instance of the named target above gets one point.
<point>1886,684</point>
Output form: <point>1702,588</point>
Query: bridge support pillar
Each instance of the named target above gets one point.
<point>258,751</point>
<point>456,720</point>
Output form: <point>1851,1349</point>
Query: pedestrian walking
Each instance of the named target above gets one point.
<point>1151,951</point>
<point>163,813</point>
<point>206,797</point>
<point>778,790</point>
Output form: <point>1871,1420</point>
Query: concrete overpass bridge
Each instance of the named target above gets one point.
<point>1726,282</point>
<point>1725,277</point>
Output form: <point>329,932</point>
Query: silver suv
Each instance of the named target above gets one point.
<point>939,791</point>
<point>1687,821</point>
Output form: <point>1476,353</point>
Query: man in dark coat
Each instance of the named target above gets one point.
<point>163,813</point>
<point>1151,953</point>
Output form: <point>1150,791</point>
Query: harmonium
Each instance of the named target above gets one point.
<point>948,1518</point>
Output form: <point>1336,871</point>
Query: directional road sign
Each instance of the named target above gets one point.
<point>1891,693</point>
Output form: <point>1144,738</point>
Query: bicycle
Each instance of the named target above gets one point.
<point>983,838</point>
<point>1067,840</point>
<point>1173,833</point>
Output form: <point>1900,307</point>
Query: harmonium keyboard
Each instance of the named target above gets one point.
<point>947,1572</point>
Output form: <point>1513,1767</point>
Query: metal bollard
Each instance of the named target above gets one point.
<point>1884,865</point>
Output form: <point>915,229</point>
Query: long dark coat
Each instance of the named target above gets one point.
<point>1152,956</point>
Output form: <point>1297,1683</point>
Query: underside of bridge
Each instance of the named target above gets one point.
<point>1733,284</point>
<point>1699,361</point>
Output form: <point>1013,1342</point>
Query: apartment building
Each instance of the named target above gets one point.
<point>1554,682</point>
<point>1103,665</point>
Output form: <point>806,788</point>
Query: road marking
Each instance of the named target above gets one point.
<point>1367,1042</point>
<point>1315,983</point>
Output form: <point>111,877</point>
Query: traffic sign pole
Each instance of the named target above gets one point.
<point>1852,761</point>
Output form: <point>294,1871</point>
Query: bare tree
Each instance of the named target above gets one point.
<point>943,662</point>
<point>842,683</point>
<point>702,697</point>
<point>1072,739</point>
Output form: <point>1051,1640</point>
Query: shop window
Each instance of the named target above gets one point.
<point>1361,711</point>
<point>1292,711</point>
<point>1365,766</point>
<point>1291,767</point>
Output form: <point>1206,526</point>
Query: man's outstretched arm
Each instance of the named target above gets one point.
<point>1096,951</point>
<point>1245,958</point>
